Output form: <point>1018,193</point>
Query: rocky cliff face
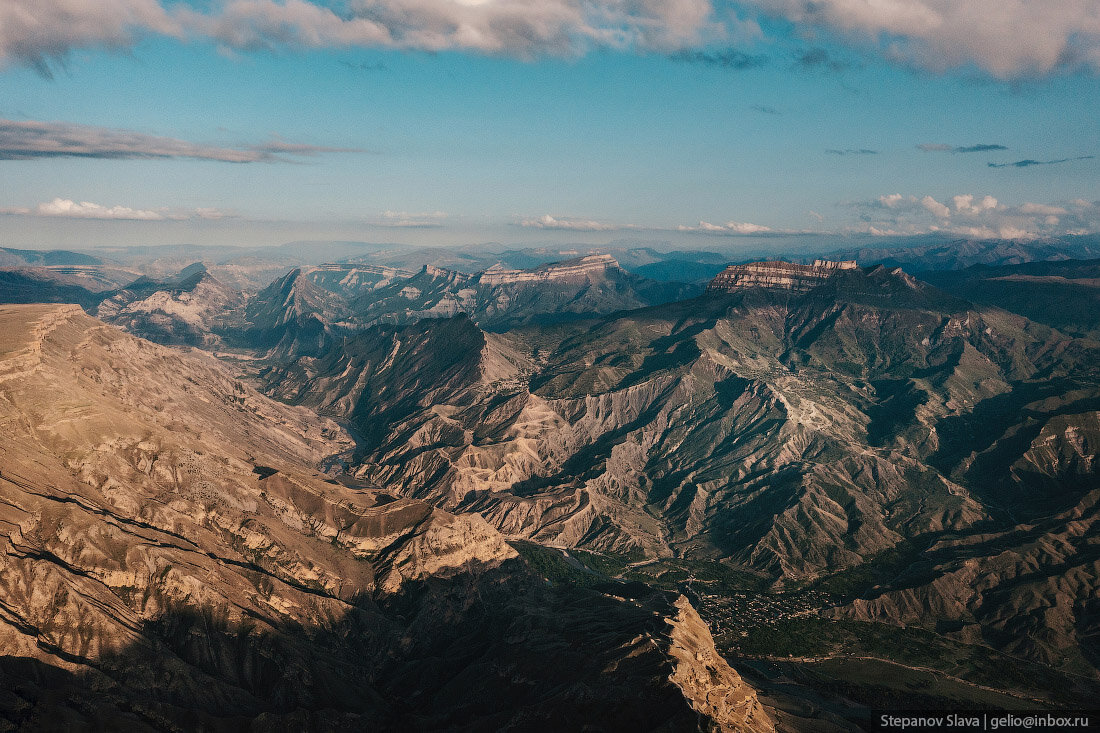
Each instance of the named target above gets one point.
<point>291,317</point>
<point>582,269</point>
<point>777,276</point>
<point>167,542</point>
<point>351,279</point>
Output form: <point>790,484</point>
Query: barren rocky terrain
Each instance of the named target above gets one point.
<point>827,463</point>
<point>171,544</point>
<point>791,435</point>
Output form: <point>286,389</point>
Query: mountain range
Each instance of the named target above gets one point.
<point>791,435</point>
<point>773,495</point>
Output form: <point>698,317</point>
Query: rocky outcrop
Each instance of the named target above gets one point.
<point>193,309</point>
<point>351,279</point>
<point>291,317</point>
<point>715,690</point>
<point>776,276</point>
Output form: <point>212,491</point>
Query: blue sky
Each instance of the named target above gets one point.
<point>465,121</point>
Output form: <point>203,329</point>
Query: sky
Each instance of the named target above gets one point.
<point>700,123</point>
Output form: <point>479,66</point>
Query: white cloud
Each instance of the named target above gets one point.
<point>88,210</point>
<point>69,209</point>
<point>729,228</point>
<point>1004,37</point>
<point>41,32</point>
<point>974,216</point>
<point>1030,208</point>
<point>518,28</point>
<point>935,207</point>
<point>964,203</point>
<point>577,225</point>
<point>1007,38</point>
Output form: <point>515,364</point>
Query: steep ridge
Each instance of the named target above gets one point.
<point>193,308</point>
<point>168,544</point>
<point>351,279</point>
<point>501,298</point>
<point>292,316</point>
<point>794,434</point>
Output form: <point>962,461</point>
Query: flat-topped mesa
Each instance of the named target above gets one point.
<point>577,269</point>
<point>776,275</point>
<point>352,268</point>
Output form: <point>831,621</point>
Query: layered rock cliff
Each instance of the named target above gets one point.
<point>777,276</point>
<point>193,308</point>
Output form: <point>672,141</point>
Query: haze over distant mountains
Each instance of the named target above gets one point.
<point>734,492</point>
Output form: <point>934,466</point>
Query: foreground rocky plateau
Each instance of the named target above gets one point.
<point>173,558</point>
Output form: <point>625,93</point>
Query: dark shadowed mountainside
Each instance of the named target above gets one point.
<point>1063,294</point>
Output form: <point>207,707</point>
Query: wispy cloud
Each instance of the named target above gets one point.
<point>946,34</point>
<point>765,109</point>
<point>523,28</point>
<point>410,220</point>
<point>730,228</point>
<point>29,140</point>
<point>727,59</point>
<point>1028,162</point>
<point>819,59</point>
<point>363,65</point>
<point>69,209</point>
<point>945,148</point>
<point>851,151</point>
<point>576,225</point>
<point>41,33</point>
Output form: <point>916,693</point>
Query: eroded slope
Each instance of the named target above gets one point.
<point>167,542</point>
